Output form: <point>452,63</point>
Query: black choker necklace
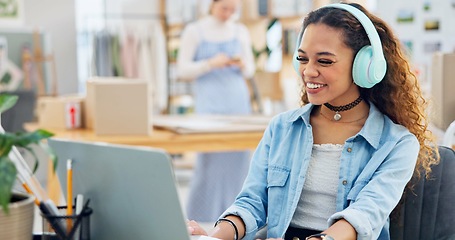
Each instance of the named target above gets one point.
<point>338,109</point>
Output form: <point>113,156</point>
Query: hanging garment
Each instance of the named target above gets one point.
<point>115,53</point>
<point>145,65</point>
<point>102,54</point>
<point>129,55</point>
<point>160,62</point>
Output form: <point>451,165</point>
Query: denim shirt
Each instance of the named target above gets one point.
<point>375,166</point>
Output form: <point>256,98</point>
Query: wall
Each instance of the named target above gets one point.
<point>57,18</point>
<point>424,27</point>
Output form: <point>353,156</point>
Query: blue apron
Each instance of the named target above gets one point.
<point>218,177</point>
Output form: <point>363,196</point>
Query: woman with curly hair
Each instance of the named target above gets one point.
<point>336,167</point>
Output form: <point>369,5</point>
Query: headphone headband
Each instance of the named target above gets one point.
<point>369,65</point>
<point>378,61</point>
<point>367,25</point>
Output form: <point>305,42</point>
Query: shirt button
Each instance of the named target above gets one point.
<point>349,149</point>
<point>345,182</point>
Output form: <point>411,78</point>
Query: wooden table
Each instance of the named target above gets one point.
<point>170,141</point>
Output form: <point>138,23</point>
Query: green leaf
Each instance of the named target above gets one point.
<point>7,101</point>
<point>8,171</point>
<point>24,139</point>
<point>6,143</point>
<point>7,177</point>
<point>6,79</point>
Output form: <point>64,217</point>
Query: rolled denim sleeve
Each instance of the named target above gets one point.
<point>249,220</point>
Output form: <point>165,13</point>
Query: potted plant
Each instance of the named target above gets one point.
<point>15,205</point>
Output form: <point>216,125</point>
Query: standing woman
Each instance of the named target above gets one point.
<point>216,53</point>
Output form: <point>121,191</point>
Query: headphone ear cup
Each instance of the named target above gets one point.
<point>295,63</point>
<point>361,67</point>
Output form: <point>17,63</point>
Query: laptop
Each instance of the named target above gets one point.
<point>132,190</point>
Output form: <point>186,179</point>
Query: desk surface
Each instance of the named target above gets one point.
<point>165,139</point>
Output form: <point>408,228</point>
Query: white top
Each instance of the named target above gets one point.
<point>318,198</point>
<point>211,29</point>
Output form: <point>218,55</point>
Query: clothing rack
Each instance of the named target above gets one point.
<point>107,21</point>
<point>126,16</point>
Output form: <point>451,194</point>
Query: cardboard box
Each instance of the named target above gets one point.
<point>62,112</point>
<point>268,84</point>
<point>443,89</point>
<point>118,106</point>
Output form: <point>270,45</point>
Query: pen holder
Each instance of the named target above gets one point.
<point>67,227</point>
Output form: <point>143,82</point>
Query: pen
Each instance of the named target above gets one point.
<point>83,210</point>
<point>79,205</point>
<point>69,193</point>
<point>51,213</point>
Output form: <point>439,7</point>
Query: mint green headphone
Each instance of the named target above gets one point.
<point>369,65</point>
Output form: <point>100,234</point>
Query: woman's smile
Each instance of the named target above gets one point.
<point>313,88</point>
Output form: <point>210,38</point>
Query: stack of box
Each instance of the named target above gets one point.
<point>118,106</point>
<point>112,106</point>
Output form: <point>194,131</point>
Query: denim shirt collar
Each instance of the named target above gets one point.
<point>371,131</point>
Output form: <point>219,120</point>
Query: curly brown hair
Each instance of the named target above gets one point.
<point>398,95</point>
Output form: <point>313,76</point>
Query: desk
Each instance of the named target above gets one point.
<point>171,142</point>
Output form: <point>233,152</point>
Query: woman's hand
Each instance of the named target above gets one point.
<point>237,62</point>
<point>219,60</point>
<point>194,228</point>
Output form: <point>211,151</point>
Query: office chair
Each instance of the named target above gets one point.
<point>428,211</point>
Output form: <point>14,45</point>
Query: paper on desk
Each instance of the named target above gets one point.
<point>185,124</point>
<point>207,238</point>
